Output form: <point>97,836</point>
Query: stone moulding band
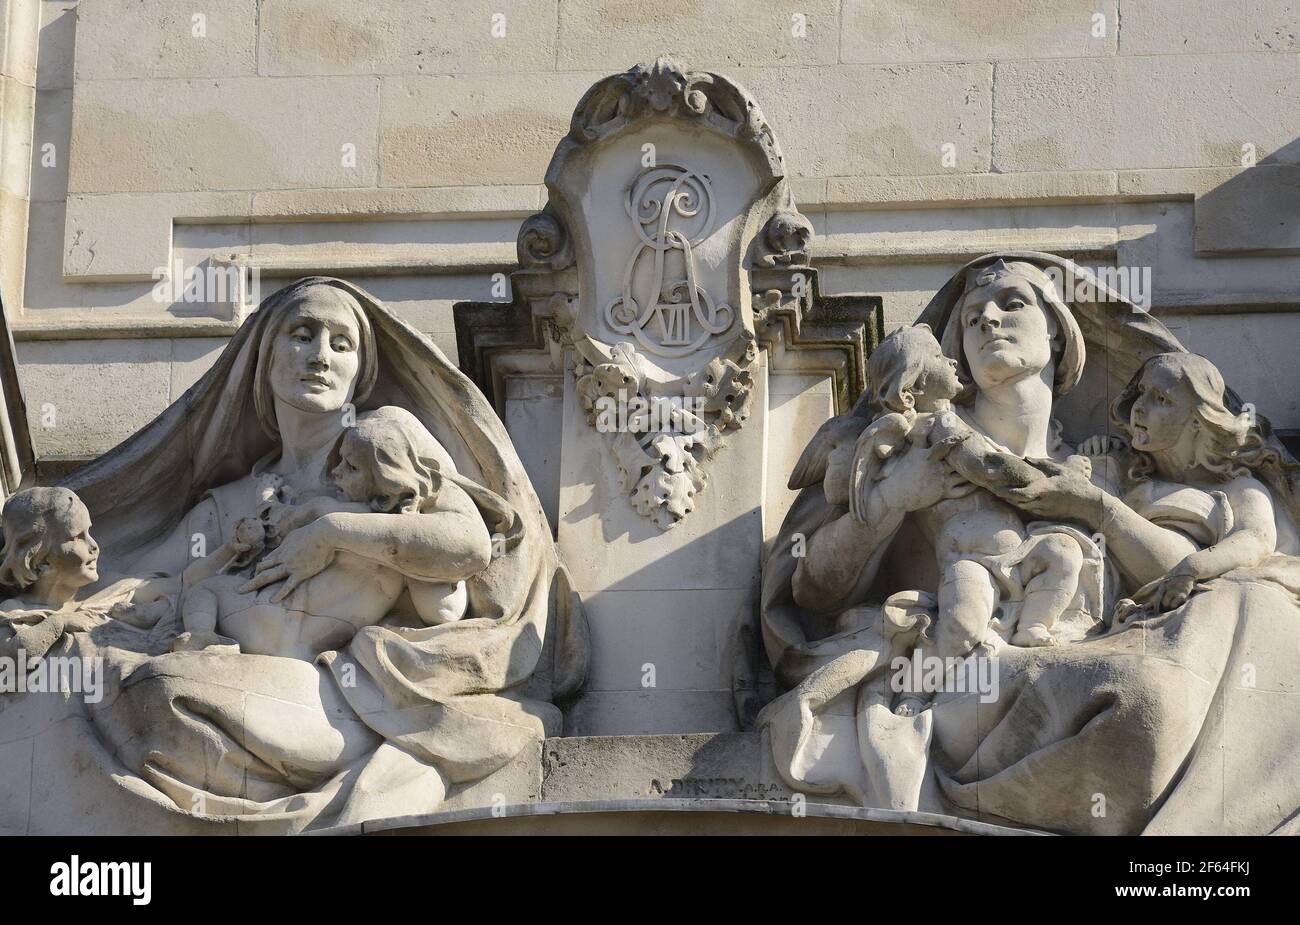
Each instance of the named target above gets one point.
<point>778,810</point>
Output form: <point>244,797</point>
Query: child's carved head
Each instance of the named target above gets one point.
<point>390,460</point>
<point>1177,405</point>
<point>47,542</point>
<point>909,370</point>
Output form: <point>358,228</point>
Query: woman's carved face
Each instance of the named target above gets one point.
<point>1006,332</point>
<point>314,363</point>
<point>1158,417</point>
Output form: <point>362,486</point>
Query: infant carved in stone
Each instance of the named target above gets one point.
<point>49,555</point>
<point>387,463</point>
<point>981,543</point>
<point>1199,467</point>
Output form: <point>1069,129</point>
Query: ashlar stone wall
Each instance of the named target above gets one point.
<point>400,143</point>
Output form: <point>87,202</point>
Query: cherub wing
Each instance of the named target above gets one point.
<point>811,467</point>
<point>861,475</point>
<point>864,474</point>
<point>875,447</point>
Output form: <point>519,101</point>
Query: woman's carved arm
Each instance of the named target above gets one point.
<point>1252,539</point>
<point>1143,550</point>
<point>837,555</point>
<point>443,545</point>
<point>447,544</point>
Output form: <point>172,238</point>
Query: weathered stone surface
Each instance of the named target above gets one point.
<point>16,785</point>
<point>610,546</point>
<point>445,131</point>
<point>182,135</point>
<point>614,35</point>
<point>191,358</point>
<point>17,110</point>
<point>426,304</point>
<point>902,117</point>
<point>55,45</point>
<point>650,712</point>
<point>119,39</point>
<point>1169,183</point>
<point>797,404</point>
<point>94,247</point>
<point>299,37</point>
<point>665,639</point>
<point>685,817</point>
<point>18,31</point>
<point>476,202</point>
<point>1258,210</point>
<point>1161,235</point>
<point>132,376</point>
<point>1255,347</point>
<point>533,408</point>
<point>82,803</point>
<point>970,189</point>
<point>682,767</point>
<point>13,227</point>
<point>1134,112</point>
<point>520,781</point>
<point>876,31</point>
<point>53,126</point>
<point>1180,27</point>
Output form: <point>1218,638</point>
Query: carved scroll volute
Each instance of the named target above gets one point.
<point>544,242</point>
<point>667,187</point>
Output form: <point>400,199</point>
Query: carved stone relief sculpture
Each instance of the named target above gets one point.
<point>667,190</point>
<point>1119,594</point>
<point>320,585</point>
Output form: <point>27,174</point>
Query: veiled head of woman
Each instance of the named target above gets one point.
<point>1010,322</point>
<point>317,354</point>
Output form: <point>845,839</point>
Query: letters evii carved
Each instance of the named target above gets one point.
<point>674,306</point>
<point>668,189</point>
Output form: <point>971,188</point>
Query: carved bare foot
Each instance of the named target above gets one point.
<point>1033,635</point>
<point>195,642</point>
<point>910,706</point>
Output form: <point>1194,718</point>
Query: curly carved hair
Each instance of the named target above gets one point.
<point>27,517</point>
<point>403,462</point>
<point>1231,443</point>
<point>897,363</point>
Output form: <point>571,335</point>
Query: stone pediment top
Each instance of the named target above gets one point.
<point>664,89</point>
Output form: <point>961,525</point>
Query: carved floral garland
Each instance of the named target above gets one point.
<point>661,443</point>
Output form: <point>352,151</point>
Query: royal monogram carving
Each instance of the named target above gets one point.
<point>668,190</point>
<point>671,209</point>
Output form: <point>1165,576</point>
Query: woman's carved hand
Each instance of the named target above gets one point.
<point>1175,590</point>
<point>1101,445</point>
<point>304,553</point>
<point>1064,493</point>
<point>1160,596</point>
<point>283,519</point>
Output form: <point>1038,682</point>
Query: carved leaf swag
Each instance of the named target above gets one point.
<point>661,444</point>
